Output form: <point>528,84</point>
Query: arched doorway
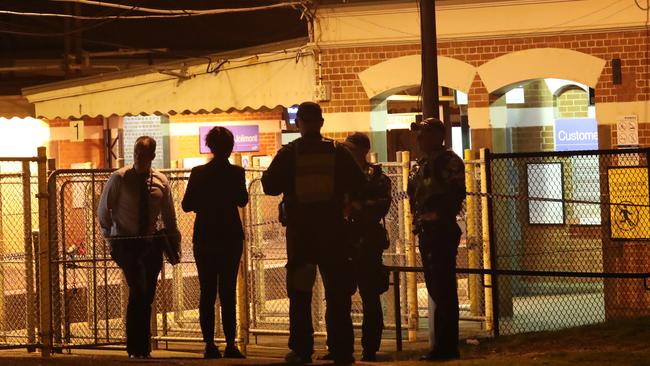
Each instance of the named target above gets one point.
<point>393,87</point>
<point>405,107</point>
<point>544,115</point>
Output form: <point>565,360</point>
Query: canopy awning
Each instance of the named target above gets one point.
<point>261,80</point>
<point>15,106</point>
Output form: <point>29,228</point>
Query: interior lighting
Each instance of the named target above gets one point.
<point>20,137</point>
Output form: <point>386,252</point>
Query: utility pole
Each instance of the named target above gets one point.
<point>430,87</point>
<point>430,97</point>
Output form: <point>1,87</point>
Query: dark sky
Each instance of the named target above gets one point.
<point>183,36</point>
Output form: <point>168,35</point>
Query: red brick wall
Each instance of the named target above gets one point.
<point>188,146</point>
<point>340,66</point>
<point>66,152</point>
<point>270,143</point>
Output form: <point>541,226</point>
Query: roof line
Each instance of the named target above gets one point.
<point>237,53</point>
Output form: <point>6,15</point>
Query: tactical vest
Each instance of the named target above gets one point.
<point>315,173</point>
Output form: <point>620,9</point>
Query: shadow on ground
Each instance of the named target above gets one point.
<point>625,342</point>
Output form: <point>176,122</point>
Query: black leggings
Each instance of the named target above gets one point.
<point>218,272</point>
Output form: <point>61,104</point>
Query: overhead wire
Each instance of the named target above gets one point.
<point>640,7</point>
<point>184,12</point>
<point>116,17</point>
<point>73,31</point>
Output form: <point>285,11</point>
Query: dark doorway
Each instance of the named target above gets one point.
<point>401,140</point>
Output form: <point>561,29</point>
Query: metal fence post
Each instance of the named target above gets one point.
<point>29,255</point>
<point>242,285</point>
<point>53,237</point>
<point>411,279</point>
<point>489,251</point>
<point>3,313</point>
<point>471,238</point>
<point>45,327</point>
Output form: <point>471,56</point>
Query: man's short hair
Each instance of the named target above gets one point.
<point>310,112</point>
<point>359,140</point>
<point>220,141</point>
<point>147,141</point>
<point>430,124</point>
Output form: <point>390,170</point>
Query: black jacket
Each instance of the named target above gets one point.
<point>280,178</point>
<point>214,192</point>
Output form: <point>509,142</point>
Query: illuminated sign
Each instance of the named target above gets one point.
<point>576,134</point>
<point>247,138</point>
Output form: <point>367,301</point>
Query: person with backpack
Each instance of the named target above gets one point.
<point>315,174</point>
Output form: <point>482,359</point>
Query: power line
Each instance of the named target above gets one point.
<point>640,7</point>
<point>185,12</point>
<point>133,17</point>
<point>73,31</point>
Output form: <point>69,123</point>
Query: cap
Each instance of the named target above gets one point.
<point>359,139</point>
<point>429,124</point>
<point>309,111</point>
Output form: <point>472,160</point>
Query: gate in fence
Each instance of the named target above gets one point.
<point>89,292</point>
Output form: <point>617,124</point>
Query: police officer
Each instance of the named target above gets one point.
<point>368,237</point>
<point>436,192</point>
<point>314,174</point>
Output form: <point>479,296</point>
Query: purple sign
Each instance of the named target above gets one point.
<point>247,138</point>
<point>576,134</point>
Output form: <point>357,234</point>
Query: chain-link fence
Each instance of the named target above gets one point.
<point>567,229</point>
<point>550,240</point>
<point>266,248</point>
<point>91,294</point>
<point>18,220</point>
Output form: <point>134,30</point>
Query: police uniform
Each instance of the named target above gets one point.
<point>314,174</point>
<point>437,184</point>
<point>370,240</point>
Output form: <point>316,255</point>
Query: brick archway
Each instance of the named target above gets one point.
<point>385,78</point>
<point>540,63</point>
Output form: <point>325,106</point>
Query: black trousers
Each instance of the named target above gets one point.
<point>438,247</point>
<point>218,274</point>
<point>141,261</point>
<point>372,281</point>
<point>336,271</point>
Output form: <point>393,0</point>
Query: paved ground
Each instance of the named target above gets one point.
<point>621,342</point>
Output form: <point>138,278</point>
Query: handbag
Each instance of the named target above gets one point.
<point>170,243</point>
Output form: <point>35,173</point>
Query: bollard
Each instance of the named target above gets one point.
<point>471,241</point>
<point>411,279</point>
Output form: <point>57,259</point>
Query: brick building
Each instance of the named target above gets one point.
<point>509,70</point>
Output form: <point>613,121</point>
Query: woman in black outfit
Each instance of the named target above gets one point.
<point>214,192</point>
